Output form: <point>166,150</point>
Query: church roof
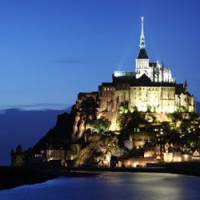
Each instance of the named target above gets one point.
<point>180,88</point>
<point>144,79</point>
<point>142,54</point>
<point>152,64</point>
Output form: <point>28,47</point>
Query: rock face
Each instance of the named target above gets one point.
<point>85,110</point>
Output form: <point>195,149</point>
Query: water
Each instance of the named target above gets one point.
<point>111,186</point>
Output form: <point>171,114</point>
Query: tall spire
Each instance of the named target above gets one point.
<point>142,38</point>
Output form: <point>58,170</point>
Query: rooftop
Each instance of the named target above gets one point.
<point>142,54</point>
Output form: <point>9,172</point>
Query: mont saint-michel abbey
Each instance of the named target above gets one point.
<point>150,88</point>
<point>142,117</point>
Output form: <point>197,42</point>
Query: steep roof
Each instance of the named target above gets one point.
<point>142,54</point>
<point>152,64</point>
<point>180,88</point>
<point>144,79</point>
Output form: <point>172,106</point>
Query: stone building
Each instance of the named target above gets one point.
<point>151,88</point>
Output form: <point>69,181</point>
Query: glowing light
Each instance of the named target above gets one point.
<point>135,164</point>
<point>186,157</point>
<point>168,157</point>
<point>177,159</point>
<point>149,154</point>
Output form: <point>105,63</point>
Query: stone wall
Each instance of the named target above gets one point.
<point>105,103</point>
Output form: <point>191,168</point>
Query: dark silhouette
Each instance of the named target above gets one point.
<point>24,128</point>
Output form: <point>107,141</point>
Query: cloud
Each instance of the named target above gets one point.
<point>39,106</point>
<point>68,61</point>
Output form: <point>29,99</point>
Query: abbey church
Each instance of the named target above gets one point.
<point>151,88</point>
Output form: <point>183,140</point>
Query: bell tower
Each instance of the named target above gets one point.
<point>142,61</point>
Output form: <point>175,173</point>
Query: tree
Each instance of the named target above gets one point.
<point>193,116</point>
<point>176,116</point>
<point>123,108</point>
<point>182,109</point>
<point>88,106</point>
<point>101,125</point>
<point>129,123</point>
<point>149,108</point>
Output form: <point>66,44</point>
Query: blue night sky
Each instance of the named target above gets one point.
<point>52,49</point>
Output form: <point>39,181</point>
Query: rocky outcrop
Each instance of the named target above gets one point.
<point>84,111</point>
<point>98,152</point>
<point>59,136</point>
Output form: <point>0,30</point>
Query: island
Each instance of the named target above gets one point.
<point>142,120</point>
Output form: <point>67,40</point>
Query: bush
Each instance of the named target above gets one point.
<point>101,125</point>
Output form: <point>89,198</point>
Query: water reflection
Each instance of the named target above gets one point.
<point>111,186</point>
